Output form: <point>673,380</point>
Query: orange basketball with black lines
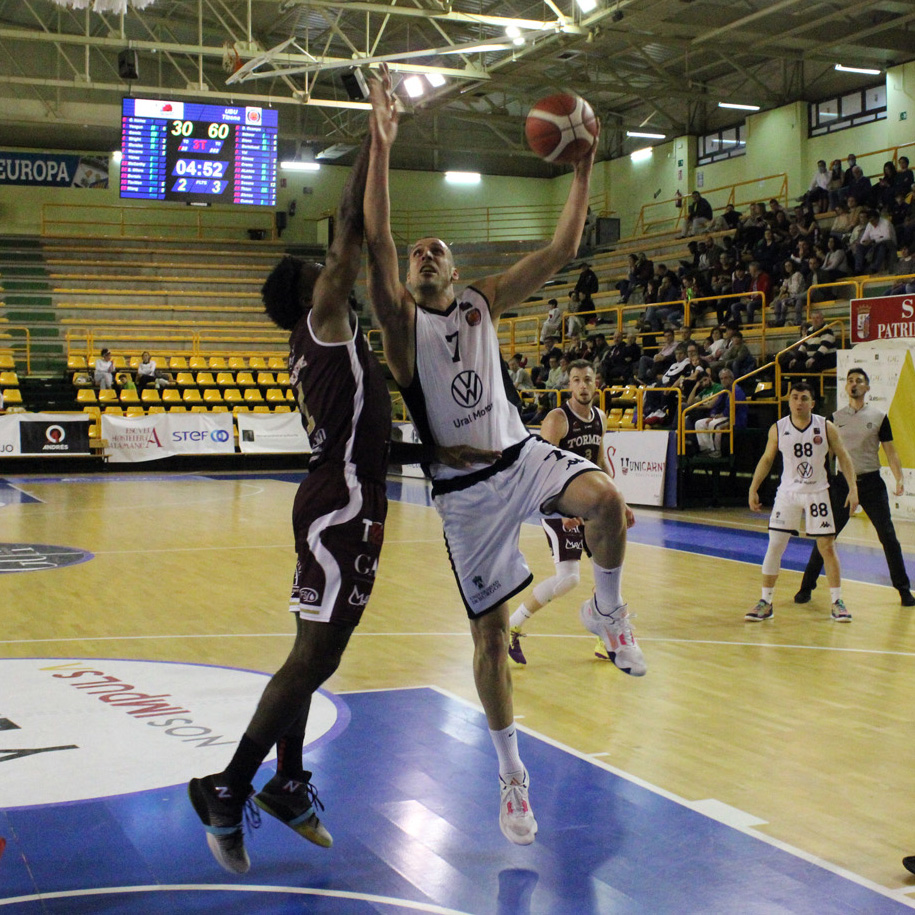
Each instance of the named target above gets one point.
<point>561,128</point>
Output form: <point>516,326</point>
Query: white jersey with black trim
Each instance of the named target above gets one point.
<point>458,392</point>
<point>804,453</point>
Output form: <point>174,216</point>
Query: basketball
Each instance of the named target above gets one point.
<point>561,128</point>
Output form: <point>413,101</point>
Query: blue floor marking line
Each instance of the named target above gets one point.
<point>413,810</point>
<point>13,495</point>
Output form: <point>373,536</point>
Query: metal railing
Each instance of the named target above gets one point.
<point>17,348</point>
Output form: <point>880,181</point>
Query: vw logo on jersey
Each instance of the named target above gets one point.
<point>467,389</point>
<point>805,470</point>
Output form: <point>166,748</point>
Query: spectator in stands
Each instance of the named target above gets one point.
<point>818,193</point>
<point>104,370</point>
<point>905,267</point>
<point>521,377</point>
<point>904,177</point>
<point>124,382</point>
<point>574,323</point>
<point>651,367</point>
<point>737,357</point>
<point>835,261</point>
<point>665,311</point>
<point>706,387</point>
<point>902,215</point>
<point>587,283</point>
<point>836,176</point>
<point>654,402</point>
<point>816,354</point>
<point>752,226</point>
<point>599,348</point>
<point>875,248</point>
<point>719,415</point>
<point>767,252</point>
<point>146,372</point>
<point>548,350</point>
<point>840,194</point>
<point>714,345</point>
<point>884,193</point>
<point>621,359</point>
<point>683,376</point>
<point>730,217</point>
<point>554,376</point>
<point>860,188</point>
<point>759,282</point>
<point>842,223</point>
<point>789,295</point>
<point>553,323</point>
<point>698,215</point>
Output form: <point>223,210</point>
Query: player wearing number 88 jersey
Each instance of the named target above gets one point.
<point>804,440</point>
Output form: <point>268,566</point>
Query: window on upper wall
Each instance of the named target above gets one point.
<point>723,144</point>
<point>859,107</point>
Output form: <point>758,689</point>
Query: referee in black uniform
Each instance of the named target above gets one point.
<point>864,429</point>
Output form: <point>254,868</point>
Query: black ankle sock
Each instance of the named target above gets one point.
<point>289,758</point>
<point>244,765</point>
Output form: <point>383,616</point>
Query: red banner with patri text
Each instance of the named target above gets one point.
<point>889,317</point>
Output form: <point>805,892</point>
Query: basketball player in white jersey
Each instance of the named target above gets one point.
<point>804,440</point>
<point>444,354</point>
<point>577,426</point>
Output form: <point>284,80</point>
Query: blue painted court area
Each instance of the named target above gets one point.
<point>412,799</point>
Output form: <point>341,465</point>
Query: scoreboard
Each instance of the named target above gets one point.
<point>198,153</point>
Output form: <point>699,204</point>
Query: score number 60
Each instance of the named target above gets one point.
<point>186,128</point>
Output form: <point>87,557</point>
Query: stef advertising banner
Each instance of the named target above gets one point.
<point>889,317</point>
<point>162,435</point>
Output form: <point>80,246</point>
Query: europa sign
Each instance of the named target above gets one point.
<point>886,318</point>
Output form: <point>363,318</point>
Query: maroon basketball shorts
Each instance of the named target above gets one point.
<point>338,520</point>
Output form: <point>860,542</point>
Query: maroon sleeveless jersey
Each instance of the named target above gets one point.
<point>584,436</point>
<point>343,398</point>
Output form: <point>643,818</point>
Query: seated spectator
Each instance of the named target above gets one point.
<point>790,295</point>
<point>683,376</point>
<point>736,357</point>
<point>654,402</point>
<point>905,267</point>
<point>767,252</point>
<point>752,226</point>
<point>835,178</point>
<point>730,217</point>
<point>554,376</point>
<point>563,372</point>
<point>875,249</point>
<point>587,282</point>
<point>669,307</point>
<point>884,193</point>
<point>599,347</point>
<point>707,386</point>
<point>574,323</point>
<point>815,355</point>
<point>148,374</point>
<point>621,359</point>
<point>842,224</point>
<point>521,377</point>
<point>835,261</point>
<point>818,193</point>
<point>860,188</point>
<point>104,370</point>
<point>714,345</point>
<point>548,350</point>
<point>905,179</point>
<point>719,416</point>
<point>651,367</point>
<point>840,194</point>
<point>553,323</point>
<point>699,214</point>
<point>759,282</point>
<point>903,218</point>
<point>124,382</point>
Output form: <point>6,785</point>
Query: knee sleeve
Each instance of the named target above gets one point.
<point>778,540</point>
<point>566,578</point>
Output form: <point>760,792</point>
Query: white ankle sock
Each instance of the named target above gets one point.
<point>607,588</point>
<point>519,617</point>
<point>506,744</point>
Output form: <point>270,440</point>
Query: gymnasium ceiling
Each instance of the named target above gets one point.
<point>658,65</point>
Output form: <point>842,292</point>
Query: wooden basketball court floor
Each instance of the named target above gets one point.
<point>756,768</point>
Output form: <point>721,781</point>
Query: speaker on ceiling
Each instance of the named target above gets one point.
<point>128,64</point>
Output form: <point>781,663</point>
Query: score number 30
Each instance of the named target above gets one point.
<point>186,128</point>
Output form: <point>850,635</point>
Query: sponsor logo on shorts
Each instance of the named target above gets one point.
<point>372,532</point>
<point>357,598</point>
<point>309,596</point>
<point>825,524</point>
<point>484,592</point>
<point>366,565</point>
<point>477,581</point>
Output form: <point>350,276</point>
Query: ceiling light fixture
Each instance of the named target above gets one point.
<point>462,177</point>
<point>866,70</point>
<point>739,107</point>
<point>436,80</point>
<point>296,165</point>
<point>587,6</point>
<point>645,135</point>
<point>414,86</point>
<point>641,154</point>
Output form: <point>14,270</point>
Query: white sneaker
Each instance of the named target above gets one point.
<point>617,635</point>
<point>516,819</point>
<point>658,414</point>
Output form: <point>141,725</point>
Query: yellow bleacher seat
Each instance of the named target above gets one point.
<point>253,395</point>
<point>225,379</point>
<point>161,361</point>
<point>200,408</point>
<point>114,411</point>
<point>244,380</point>
<point>177,362</point>
<point>282,379</point>
<point>277,362</point>
<point>191,395</point>
<point>86,395</point>
<point>261,408</point>
<point>237,362</point>
<point>7,363</point>
<point>150,395</point>
<point>171,395</point>
<point>282,408</point>
<point>9,379</point>
<point>198,362</point>
<point>93,412</point>
<point>256,362</point>
<point>76,363</point>
<point>134,361</point>
<point>80,380</point>
<point>107,395</point>
<point>156,408</point>
<point>135,410</point>
<point>627,421</point>
<point>205,380</point>
<point>241,408</point>
<point>12,396</point>
<point>217,362</point>
<point>275,394</point>
<point>179,409</point>
<point>212,395</point>
<point>185,380</point>
<point>129,397</point>
<point>290,395</point>
<point>232,395</point>
<point>120,363</point>
<point>219,408</point>
<point>265,379</point>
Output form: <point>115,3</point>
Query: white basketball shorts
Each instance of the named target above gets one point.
<point>815,506</point>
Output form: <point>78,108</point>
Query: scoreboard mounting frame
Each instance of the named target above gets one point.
<point>195,152</point>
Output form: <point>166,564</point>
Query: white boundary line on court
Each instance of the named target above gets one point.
<point>705,808</point>
<point>429,907</point>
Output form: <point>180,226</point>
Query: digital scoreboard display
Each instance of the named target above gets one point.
<point>198,153</point>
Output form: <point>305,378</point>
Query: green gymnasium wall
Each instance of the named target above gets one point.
<point>776,142</point>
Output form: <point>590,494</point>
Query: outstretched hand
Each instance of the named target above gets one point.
<point>385,116</point>
<point>585,163</point>
<point>461,457</point>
